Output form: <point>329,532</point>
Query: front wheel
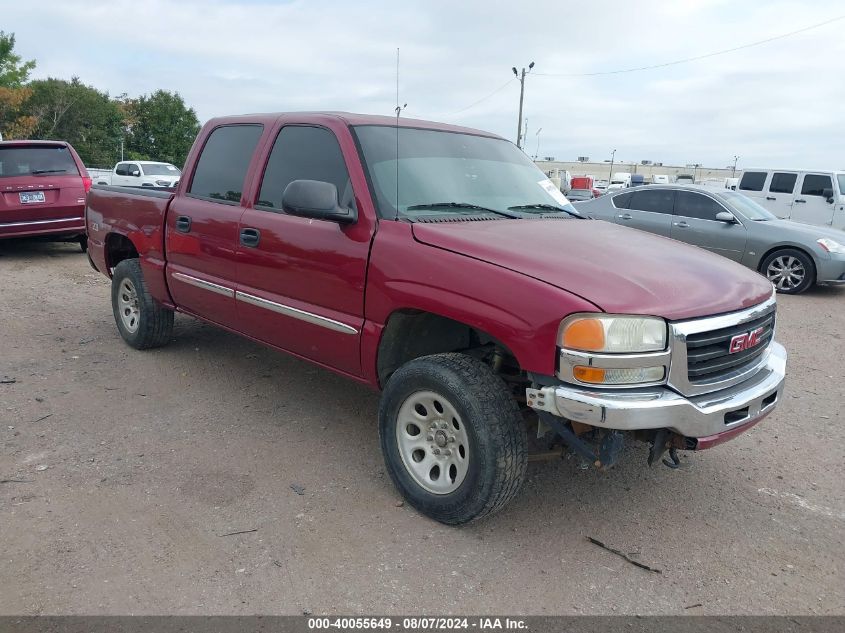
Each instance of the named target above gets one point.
<point>790,270</point>
<point>453,439</point>
<point>141,321</point>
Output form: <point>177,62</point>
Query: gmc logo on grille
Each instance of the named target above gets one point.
<point>742,342</point>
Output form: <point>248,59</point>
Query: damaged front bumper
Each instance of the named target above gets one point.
<point>709,418</point>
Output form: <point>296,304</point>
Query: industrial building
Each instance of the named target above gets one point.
<point>601,170</point>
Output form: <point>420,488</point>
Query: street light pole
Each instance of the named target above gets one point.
<point>537,150</point>
<point>521,97</point>
<point>610,175</point>
<point>733,171</point>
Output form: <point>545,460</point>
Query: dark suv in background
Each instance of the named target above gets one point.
<point>43,186</point>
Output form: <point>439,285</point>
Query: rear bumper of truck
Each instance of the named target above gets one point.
<point>710,418</point>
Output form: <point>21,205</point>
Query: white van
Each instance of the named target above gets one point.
<point>811,197</point>
<point>660,179</point>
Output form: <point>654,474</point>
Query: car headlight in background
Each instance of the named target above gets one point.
<point>613,334</point>
<point>831,246</point>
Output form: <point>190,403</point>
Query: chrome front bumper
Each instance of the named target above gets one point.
<point>660,407</point>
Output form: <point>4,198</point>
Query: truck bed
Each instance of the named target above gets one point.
<point>137,213</point>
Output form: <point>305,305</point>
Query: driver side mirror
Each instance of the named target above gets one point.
<point>316,199</point>
<point>726,216</point>
<point>828,195</point>
<point>134,172</point>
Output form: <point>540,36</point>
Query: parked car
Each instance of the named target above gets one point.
<point>582,194</point>
<point>660,179</point>
<point>620,180</point>
<point>601,186</point>
<point>792,256</point>
<point>809,197</point>
<point>468,290</point>
<point>637,180</point>
<point>142,173</point>
<point>685,179</point>
<point>43,187</point>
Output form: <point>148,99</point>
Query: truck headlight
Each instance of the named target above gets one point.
<point>612,334</point>
<point>831,246</point>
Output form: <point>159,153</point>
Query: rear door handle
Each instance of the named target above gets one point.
<point>625,216</point>
<point>681,225</point>
<point>183,224</point>
<point>250,237</point>
<point>770,198</point>
<point>800,200</point>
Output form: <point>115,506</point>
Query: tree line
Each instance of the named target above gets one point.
<point>158,126</point>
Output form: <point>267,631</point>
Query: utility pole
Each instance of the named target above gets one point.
<point>521,97</point>
<point>537,150</point>
<point>733,171</point>
<point>610,175</point>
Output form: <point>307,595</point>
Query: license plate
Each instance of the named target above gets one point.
<point>31,197</point>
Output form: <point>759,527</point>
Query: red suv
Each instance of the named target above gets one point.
<point>43,186</point>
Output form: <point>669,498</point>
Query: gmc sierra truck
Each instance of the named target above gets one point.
<point>439,265</point>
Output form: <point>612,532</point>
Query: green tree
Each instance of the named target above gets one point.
<point>82,115</point>
<point>13,93</point>
<point>160,127</point>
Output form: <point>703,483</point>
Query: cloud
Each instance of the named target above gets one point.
<point>774,105</point>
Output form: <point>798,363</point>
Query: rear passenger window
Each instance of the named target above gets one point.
<point>752,181</point>
<point>783,183</point>
<point>696,205</point>
<point>654,200</point>
<point>221,168</point>
<point>304,153</point>
<point>815,184</point>
<point>622,200</point>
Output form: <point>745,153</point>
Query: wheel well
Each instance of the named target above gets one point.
<point>411,334</point>
<point>785,247</point>
<point>118,248</point>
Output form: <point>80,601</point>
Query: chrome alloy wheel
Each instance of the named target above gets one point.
<point>786,272</point>
<point>433,442</point>
<point>127,305</point>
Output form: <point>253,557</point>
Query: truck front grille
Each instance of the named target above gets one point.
<point>709,357</point>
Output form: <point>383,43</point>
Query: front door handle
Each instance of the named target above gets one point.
<point>183,224</point>
<point>770,198</point>
<point>250,237</point>
<point>681,225</point>
<point>800,200</point>
<point>625,216</point>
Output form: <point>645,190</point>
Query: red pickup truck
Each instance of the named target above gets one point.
<point>439,265</point>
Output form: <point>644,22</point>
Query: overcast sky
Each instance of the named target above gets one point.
<point>779,104</point>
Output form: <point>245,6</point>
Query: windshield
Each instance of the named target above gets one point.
<point>437,167</point>
<point>746,206</point>
<point>34,161</point>
<point>160,169</point>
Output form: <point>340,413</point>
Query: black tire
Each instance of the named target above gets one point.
<point>83,243</point>
<point>153,323</point>
<point>493,427</point>
<point>790,285</point>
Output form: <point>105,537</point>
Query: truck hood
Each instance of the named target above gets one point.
<point>620,270</point>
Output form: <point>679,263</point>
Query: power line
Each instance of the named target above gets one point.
<point>496,91</point>
<point>697,57</point>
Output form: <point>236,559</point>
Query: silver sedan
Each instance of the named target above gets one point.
<point>793,256</point>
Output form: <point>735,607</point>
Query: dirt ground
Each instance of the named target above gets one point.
<point>122,472</point>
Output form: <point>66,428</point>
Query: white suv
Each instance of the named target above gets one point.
<point>810,197</point>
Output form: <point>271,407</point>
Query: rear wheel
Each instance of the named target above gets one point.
<point>141,321</point>
<point>83,243</point>
<point>452,436</point>
<point>790,270</point>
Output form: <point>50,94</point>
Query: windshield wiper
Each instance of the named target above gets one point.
<point>38,172</point>
<point>461,205</point>
<point>547,207</point>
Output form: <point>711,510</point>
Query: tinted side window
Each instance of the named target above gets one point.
<point>122,170</point>
<point>622,200</point>
<point>222,166</point>
<point>696,205</point>
<point>304,153</point>
<point>134,169</point>
<point>815,184</point>
<point>783,183</point>
<point>654,200</point>
<point>752,181</point>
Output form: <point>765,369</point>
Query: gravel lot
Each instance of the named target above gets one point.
<point>121,470</point>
